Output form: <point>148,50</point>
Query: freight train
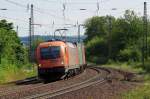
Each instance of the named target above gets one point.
<point>60,59</point>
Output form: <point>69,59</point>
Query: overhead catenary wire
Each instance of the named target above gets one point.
<point>24,21</point>
<point>41,11</point>
<point>15,19</point>
<point>51,2</point>
<point>74,3</point>
<point>36,9</point>
<point>86,3</point>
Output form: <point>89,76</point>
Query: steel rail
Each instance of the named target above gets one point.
<point>19,89</point>
<point>25,81</point>
<point>69,90</point>
<point>96,79</point>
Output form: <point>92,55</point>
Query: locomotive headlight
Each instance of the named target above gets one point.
<point>39,65</point>
<point>62,62</point>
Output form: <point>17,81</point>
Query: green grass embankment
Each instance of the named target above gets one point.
<point>10,73</point>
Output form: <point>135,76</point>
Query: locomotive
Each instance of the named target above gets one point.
<point>60,59</point>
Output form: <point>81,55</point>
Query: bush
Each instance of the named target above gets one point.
<point>129,55</point>
<point>98,60</point>
<point>13,56</point>
<point>11,72</point>
<point>146,66</point>
<point>97,50</point>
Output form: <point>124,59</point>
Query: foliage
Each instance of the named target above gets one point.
<point>11,72</point>
<point>146,66</point>
<point>123,38</point>
<point>129,54</point>
<point>10,46</point>
<point>96,50</point>
<point>97,26</point>
<point>5,25</point>
<point>13,55</point>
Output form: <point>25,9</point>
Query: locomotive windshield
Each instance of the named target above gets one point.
<point>52,52</point>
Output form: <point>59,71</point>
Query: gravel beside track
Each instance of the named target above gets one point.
<point>99,91</point>
<point>100,78</point>
<point>31,89</point>
<point>115,85</point>
<point>108,85</point>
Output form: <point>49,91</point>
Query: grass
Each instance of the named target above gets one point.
<point>134,67</point>
<point>10,73</point>
<point>141,92</point>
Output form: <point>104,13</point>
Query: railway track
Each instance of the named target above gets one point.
<point>12,85</point>
<point>22,90</point>
<point>27,90</point>
<point>100,78</point>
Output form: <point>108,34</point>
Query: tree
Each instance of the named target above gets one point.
<point>126,36</point>
<point>97,31</point>
<point>5,25</point>
<point>10,45</point>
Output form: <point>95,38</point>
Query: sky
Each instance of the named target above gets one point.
<point>48,14</point>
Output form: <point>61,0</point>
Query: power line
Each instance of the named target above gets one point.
<point>86,3</point>
<point>36,9</point>
<point>15,3</point>
<point>24,21</point>
<point>16,19</point>
<point>42,12</point>
<point>50,1</point>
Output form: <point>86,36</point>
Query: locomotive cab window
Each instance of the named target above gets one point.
<point>52,52</point>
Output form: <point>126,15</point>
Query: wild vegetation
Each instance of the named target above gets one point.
<point>118,42</point>
<point>13,55</point>
<point>122,37</point>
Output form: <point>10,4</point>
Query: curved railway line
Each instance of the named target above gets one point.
<point>22,90</point>
<point>96,79</point>
<point>92,76</point>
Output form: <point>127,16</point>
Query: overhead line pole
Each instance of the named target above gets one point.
<point>79,33</point>
<point>144,38</point>
<point>145,30</point>
<point>64,8</point>
<point>52,28</point>
<point>97,8</point>
<point>110,37</point>
<point>32,23</point>
<point>31,32</point>
<point>17,30</point>
<point>30,39</point>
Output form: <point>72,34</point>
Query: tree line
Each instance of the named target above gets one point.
<point>117,39</point>
<point>11,49</point>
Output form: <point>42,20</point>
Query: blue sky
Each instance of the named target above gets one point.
<point>48,12</point>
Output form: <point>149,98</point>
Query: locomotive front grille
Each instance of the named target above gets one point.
<point>51,70</point>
